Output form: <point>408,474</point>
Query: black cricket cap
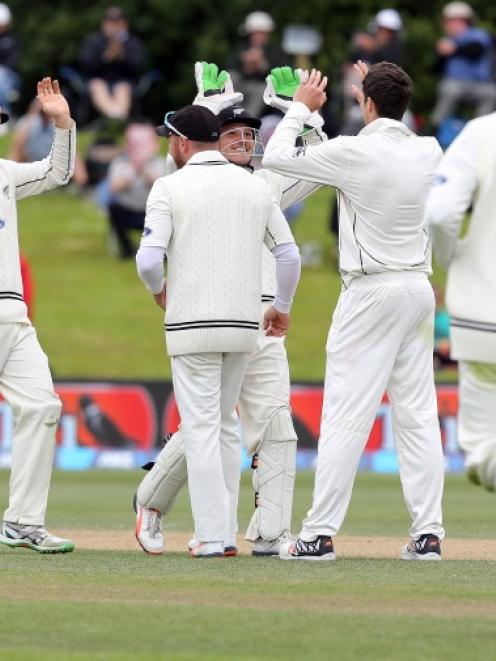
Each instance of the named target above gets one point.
<point>237,114</point>
<point>193,122</point>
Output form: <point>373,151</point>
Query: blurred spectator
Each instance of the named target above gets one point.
<point>32,141</point>
<point>131,176</point>
<point>10,51</point>
<point>112,60</point>
<point>251,64</point>
<point>382,41</point>
<point>464,60</point>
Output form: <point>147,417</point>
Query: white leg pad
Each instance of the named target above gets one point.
<point>160,486</point>
<point>273,480</point>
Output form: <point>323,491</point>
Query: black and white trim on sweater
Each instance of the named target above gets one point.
<point>213,323</point>
<point>267,298</point>
<point>15,296</point>
<point>470,324</point>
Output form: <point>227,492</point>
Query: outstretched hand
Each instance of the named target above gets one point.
<point>275,323</point>
<point>53,103</point>
<point>362,70</point>
<point>311,90</point>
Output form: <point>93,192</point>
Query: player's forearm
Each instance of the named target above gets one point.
<point>280,153</point>
<point>55,170</point>
<point>288,269</point>
<point>150,266</point>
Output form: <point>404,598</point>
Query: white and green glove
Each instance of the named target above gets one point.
<point>215,88</point>
<point>282,83</point>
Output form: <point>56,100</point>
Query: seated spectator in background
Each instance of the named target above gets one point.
<point>10,52</point>
<point>131,176</point>
<point>252,63</point>
<point>32,141</point>
<point>465,62</point>
<point>112,60</point>
<point>382,41</point>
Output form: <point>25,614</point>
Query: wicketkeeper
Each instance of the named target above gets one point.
<point>25,379</point>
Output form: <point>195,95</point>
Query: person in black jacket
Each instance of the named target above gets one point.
<point>112,59</point>
<point>10,51</point>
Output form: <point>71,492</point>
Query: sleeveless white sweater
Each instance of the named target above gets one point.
<point>219,216</point>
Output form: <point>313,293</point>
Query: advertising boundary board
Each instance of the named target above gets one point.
<point>122,424</point>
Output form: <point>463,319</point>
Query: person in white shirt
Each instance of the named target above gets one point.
<point>381,338</point>
<point>264,407</point>
<point>25,379</point>
<point>211,217</point>
<point>467,176</point>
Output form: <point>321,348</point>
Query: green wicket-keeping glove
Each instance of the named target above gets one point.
<point>281,86</point>
<point>215,88</point>
<point>282,83</point>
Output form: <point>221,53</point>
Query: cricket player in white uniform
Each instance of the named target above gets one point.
<point>264,408</point>
<point>211,217</point>
<point>381,338</point>
<point>467,176</point>
<point>25,379</point>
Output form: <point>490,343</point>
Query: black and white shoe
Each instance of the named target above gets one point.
<point>426,547</point>
<point>321,548</point>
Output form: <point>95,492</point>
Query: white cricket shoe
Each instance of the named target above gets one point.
<point>426,547</point>
<point>149,530</point>
<point>230,548</point>
<point>265,548</point>
<point>37,538</point>
<point>207,549</point>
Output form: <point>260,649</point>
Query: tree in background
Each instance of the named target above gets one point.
<point>177,33</point>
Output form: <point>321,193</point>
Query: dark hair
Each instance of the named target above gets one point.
<point>390,88</point>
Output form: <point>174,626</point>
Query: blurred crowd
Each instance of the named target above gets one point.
<point>107,83</point>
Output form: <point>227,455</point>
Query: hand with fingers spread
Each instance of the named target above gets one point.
<point>53,103</point>
<point>362,70</point>
<point>275,323</point>
<point>311,90</point>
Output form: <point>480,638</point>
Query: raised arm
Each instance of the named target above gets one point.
<point>57,169</point>
<point>325,163</point>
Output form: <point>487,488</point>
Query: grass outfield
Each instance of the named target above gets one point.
<point>117,604</point>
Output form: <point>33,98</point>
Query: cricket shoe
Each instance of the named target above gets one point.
<point>149,530</point>
<point>426,547</point>
<point>206,549</point>
<point>321,548</point>
<point>36,538</point>
<point>230,549</point>
<point>264,548</point>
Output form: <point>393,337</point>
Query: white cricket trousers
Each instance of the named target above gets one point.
<point>381,339</point>
<point>477,410</point>
<point>206,388</point>
<point>26,384</point>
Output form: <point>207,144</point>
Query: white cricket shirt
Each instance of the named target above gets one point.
<point>383,176</point>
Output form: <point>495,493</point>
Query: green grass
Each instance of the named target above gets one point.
<point>125,605</point>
